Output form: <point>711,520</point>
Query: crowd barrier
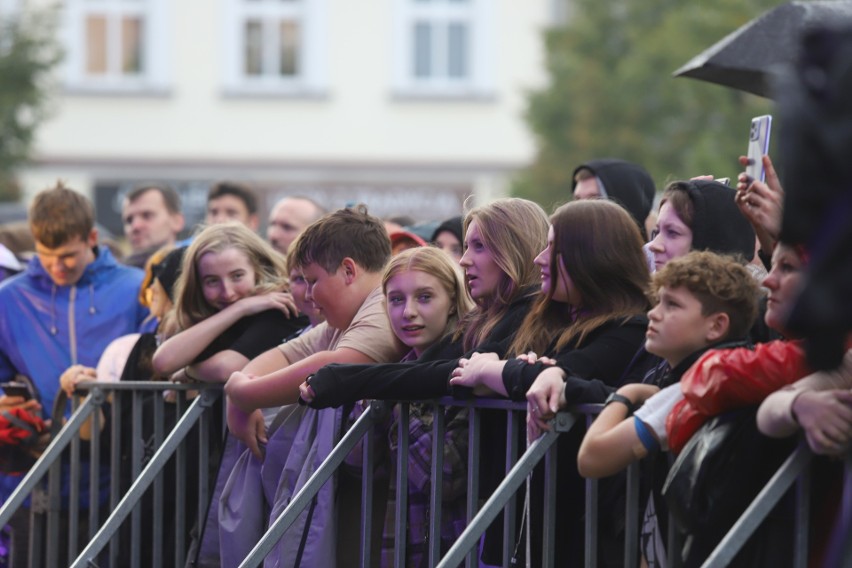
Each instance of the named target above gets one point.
<point>519,463</point>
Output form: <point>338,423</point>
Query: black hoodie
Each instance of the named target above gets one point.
<point>628,184</point>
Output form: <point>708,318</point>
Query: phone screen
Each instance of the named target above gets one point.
<point>758,145</point>
<point>16,389</point>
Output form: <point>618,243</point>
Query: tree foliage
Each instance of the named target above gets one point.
<point>28,54</point>
<point>611,94</point>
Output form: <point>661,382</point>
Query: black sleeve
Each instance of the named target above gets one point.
<point>254,334</point>
<point>335,384</point>
<point>426,378</point>
<point>600,361</point>
<point>265,331</point>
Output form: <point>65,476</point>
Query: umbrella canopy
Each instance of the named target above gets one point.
<point>748,58</point>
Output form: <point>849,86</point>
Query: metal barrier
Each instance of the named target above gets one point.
<point>464,550</point>
<point>166,444</point>
<point>517,470</point>
<point>518,467</point>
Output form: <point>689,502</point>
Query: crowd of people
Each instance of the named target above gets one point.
<point>670,319</point>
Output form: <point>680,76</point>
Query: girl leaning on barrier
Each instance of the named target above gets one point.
<point>501,240</point>
<point>425,297</point>
<point>587,323</point>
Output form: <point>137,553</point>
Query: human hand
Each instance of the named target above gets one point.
<point>544,399</point>
<point>762,203</point>
<point>473,372</point>
<point>532,358</point>
<point>826,418</point>
<point>306,393</point>
<point>9,402</point>
<point>75,374</point>
<point>247,427</point>
<point>282,301</point>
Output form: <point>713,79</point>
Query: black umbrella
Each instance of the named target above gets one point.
<point>748,58</point>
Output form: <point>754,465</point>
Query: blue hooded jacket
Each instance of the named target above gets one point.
<point>45,328</point>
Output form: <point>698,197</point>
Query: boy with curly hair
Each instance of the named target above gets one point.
<point>703,301</point>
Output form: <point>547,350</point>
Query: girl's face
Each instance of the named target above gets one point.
<point>447,242</point>
<point>784,283</point>
<point>671,239</point>
<point>481,271</point>
<point>418,308</point>
<point>561,285</point>
<point>225,277</point>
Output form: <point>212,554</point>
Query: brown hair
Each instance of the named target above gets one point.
<point>346,233</point>
<point>59,214</point>
<point>269,268</point>
<point>514,231</point>
<point>170,196</point>
<point>677,195</point>
<point>600,247</point>
<point>719,282</point>
<point>238,190</point>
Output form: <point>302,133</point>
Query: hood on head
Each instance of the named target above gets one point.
<point>628,184</point>
<point>718,225</point>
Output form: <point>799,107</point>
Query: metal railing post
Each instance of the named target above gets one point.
<point>401,507</point>
<point>146,477</point>
<point>436,497</point>
<point>304,496</point>
<point>507,488</point>
<point>759,508</point>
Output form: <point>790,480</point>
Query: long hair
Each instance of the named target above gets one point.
<point>601,249</point>
<point>439,264</point>
<point>269,268</point>
<point>514,231</point>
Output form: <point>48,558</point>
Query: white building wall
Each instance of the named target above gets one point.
<point>358,129</point>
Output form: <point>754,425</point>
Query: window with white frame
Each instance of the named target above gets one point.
<point>274,46</point>
<point>443,48</point>
<point>119,45</point>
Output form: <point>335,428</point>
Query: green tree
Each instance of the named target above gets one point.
<point>28,53</point>
<point>611,94</point>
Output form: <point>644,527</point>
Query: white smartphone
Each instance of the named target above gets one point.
<point>758,145</point>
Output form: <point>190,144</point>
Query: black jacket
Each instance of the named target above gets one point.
<point>426,378</point>
<point>604,360</point>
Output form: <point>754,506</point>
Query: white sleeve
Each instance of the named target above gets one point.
<point>657,408</point>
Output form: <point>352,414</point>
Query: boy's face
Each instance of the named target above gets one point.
<point>676,326</point>
<point>329,293</point>
<point>66,263</point>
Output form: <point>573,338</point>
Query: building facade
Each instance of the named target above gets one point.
<point>406,105</point>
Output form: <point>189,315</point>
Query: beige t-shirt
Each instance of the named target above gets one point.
<point>369,333</point>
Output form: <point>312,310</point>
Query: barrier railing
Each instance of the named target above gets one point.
<point>121,504</point>
<point>464,550</point>
<point>480,515</point>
